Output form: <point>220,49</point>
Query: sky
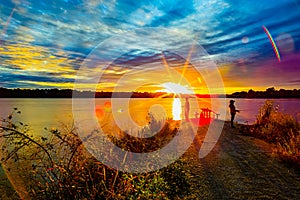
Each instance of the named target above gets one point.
<point>119,45</point>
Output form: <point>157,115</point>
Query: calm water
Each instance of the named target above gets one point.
<point>40,113</point>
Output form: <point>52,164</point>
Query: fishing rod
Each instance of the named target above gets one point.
<point>243,110</point>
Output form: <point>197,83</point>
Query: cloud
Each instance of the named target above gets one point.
<point>27,62</point>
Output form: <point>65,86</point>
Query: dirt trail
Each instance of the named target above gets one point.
<point>240,167</point>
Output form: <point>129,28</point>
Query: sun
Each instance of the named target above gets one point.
<point>175,88</point>
<point>178,91</point>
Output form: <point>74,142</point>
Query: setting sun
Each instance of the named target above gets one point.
<point>176,88</point>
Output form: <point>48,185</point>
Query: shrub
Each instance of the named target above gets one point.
<point>277,128</point>
<point>55,165</point>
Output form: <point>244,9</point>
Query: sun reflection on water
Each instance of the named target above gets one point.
<point>176,109</point>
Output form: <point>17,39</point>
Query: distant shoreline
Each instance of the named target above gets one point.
<point>270,93</point>
<point>296,98</point>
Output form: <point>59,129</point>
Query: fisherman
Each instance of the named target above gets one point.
<point>233,111</point>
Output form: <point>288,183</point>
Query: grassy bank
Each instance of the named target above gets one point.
<point>279,129</point>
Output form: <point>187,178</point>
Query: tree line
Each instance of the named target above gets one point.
<point>268,93</point>
<point>69,93</point>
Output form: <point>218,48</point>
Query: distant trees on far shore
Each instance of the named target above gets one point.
<point>69,93</point>
<point>269,93</point>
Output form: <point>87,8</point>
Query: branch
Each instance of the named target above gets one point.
<point>15,151</point>
<point>73,153</point>
<point>31,140</point>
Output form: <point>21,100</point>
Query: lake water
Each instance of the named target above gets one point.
<point>52,113</point>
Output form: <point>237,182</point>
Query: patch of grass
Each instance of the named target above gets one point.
<point>177,177</point>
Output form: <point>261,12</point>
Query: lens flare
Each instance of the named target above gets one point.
<point>100,112</point>
<point>7,23</point>
<point>272,42</point>
<point>107,106</point>
<point>187,62</point>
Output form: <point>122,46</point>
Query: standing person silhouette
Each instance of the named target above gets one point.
<point>233,111</point>
<point>187,109</point>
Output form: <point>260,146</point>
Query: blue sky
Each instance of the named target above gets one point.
<point>44,43</point>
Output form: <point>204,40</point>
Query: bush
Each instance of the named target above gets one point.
<point>56,165</point>
<point>279,129</point>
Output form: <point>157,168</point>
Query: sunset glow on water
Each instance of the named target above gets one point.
<point>176,109</point>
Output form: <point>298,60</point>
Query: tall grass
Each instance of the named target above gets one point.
<point>57,166</point>
<point>280,129</point>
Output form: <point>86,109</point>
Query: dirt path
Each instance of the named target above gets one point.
<point>240,167</point>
